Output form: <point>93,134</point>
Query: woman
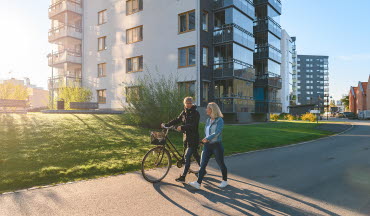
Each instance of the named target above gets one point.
<point>189,118</point>
<point>212,145</point>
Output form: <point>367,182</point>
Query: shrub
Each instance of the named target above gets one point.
<point>274,117</point>
<point>153,100</point>
<point>309,117</point>
<point>289,117</point>
<point>74,94</point>
<point>282,116</point>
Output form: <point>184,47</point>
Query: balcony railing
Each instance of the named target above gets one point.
<point>274,3</point>
<point>64,56</point>
<point>64,81</point>
<point>233,69</point>
<point>326,74</point>
<point>65,31</point>
<point>272,106</point>
<point>246,6</point>
<point>267,24</point>
<point>270,79</point>
<point>267,51</point>
<point>233,32</point>
<point>65,5</point>
<point>233,105</point>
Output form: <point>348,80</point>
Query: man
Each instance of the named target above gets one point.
<point>189,119</point>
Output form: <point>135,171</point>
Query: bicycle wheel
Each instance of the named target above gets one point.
<point>156,164</point>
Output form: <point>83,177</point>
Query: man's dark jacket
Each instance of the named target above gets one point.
<point>189,118</point>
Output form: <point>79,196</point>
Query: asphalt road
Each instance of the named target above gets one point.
<point>330,176</point>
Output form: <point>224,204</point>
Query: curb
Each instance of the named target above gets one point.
<point>233,155</point>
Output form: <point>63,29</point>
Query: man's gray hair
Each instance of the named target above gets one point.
<point>188,99</point>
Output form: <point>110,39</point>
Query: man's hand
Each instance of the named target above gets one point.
<point>204,140</point>
<point>179,129</point>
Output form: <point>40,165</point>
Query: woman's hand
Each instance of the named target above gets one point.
<point>204,140</point>
<point>179,129</point>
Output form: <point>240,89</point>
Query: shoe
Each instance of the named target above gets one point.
<point>180,179</point>
<point>223,184</point>
<point>194,184</point>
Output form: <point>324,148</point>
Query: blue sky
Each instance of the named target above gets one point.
<point>337,28</point>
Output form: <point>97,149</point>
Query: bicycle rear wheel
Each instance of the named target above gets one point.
<point>156,164</point>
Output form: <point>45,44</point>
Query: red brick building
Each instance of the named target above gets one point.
<point>358,97</point>
<point>352,99</point>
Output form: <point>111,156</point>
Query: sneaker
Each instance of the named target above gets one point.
<point>223,184</point>
<point>180,179</point>
<point>194,184</point>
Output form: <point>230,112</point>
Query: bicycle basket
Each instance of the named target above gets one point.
<point>157,138</point>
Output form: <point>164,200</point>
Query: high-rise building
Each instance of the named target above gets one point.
<point>313,80</point>
<point>286,71</point>
<point>294,98</point>
<point>210,46</point>
<point>267,56</point>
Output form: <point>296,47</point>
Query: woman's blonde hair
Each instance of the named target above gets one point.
<point>190,99</point>
<point>216,112</point>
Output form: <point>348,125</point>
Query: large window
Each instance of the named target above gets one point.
<point>134,35</point>
<point>187,88</point>
<point>133,6</point>
<point>187,21</point>
<point>102,70</point>
<point>205,21</point>
<point>187,56</point>
<point>134,64</point>
<point>205,57</point>
<point>102,96</point>
<point>102,17</point>
<point>102,43</point>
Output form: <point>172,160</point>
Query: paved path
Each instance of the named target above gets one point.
<point>330,176</point>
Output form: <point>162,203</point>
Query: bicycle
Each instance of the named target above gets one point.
<point>157,161</point>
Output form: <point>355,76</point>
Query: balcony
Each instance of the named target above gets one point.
<point>326,74</point>
<point>65,5</point>
<point>276,4</point>
<point>268,106</point>
<point>326,84</point>
<point>234,69</point>
<point>267,51</point>
<point>270,80</point>
<point>326,89</point>
<point>234,105</point>
<point>244,5</point>
<point>65,31</point>
<point>326,78</point>
<point>233,33</point>
<point>267,24</point>
<point>64,81</point>
<point>64,56</point>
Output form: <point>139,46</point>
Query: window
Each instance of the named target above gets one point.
<point>186,56</point>
<point>102,96</point>
<point>102,43</point>
<point>205,56</point>
<point>134,35</point>
<point>187,87</point>
<point>134,64</point>
<point>132,93</point>
<point>205,21</point>
<point>102,17</point>
<point>187,21</point>
<point>102,70</point>
<point>133,6</point>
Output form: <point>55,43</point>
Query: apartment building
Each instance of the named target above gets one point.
<point>286,68</point>
<point>294,99</point>
<point>209,46</point>
<point>313,80</point>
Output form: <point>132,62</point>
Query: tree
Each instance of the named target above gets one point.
<point>74,94</point>
<point>12,91</point>
<point>345,101</point>
<point>332,103</point>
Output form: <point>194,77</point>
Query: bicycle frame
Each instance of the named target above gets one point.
<point>172,149</point>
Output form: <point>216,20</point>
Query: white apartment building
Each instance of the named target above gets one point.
<point>286,68</point>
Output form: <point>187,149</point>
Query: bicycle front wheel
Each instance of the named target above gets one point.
<point>156,164</point>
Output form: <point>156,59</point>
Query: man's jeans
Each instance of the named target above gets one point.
<point>189,152</point>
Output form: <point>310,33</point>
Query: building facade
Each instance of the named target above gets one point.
<point>294,98</point>
<point>286,67</point>
<point>208,46</point>
<point>313,80</point>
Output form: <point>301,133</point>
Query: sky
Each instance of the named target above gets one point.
<point>337,28</point>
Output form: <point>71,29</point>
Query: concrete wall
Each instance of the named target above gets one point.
<point>285,70</point>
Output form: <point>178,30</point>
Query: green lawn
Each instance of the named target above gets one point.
<point>41,149</point>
